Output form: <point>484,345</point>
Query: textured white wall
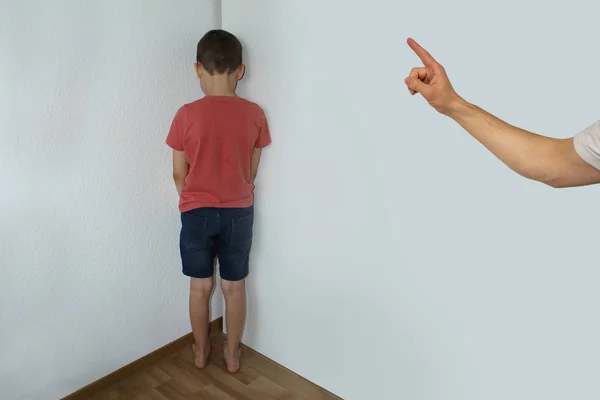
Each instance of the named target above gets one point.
<point>90,274</point>
<point>395,258</point>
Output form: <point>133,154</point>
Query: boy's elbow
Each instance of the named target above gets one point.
<point>178,176</point>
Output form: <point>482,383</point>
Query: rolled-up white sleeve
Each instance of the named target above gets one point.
<point>587,145</point>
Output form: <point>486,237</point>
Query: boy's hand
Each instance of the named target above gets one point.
<point>432,82</point>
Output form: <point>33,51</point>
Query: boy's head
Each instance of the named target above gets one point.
<point>219,61</point>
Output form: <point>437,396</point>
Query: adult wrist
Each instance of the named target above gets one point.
<point>459,108</point>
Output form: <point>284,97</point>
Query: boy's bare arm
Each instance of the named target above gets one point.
<point>180,169</point>
<point>254,161</point>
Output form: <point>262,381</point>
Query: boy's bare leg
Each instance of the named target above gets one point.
<point>200,292</point>
<point>235,314</point>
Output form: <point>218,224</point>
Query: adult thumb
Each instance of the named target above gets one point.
<point>417,85</point>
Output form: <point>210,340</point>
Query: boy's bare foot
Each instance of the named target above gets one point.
<point>232,359</point>
<point>201,356</point>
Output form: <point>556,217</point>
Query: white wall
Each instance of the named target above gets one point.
<point>90,274</point>
<point>395,258</point>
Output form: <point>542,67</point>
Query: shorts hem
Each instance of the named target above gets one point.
<point>244,276</point>
<point>197,275</point>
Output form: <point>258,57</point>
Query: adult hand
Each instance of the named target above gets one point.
<point>431,81</point>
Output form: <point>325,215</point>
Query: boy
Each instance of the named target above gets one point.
<point>217,144</point>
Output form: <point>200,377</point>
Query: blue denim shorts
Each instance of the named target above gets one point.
<point>216,233</point>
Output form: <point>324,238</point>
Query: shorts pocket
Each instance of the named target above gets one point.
<point>193,231</point>
<point>241,230</point>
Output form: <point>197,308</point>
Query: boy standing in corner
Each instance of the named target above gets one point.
<point>217,144</point>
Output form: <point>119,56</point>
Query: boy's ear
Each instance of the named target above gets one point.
<point>240,72</point>
<point>199,71</point>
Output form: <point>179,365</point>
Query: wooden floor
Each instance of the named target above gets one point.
<point>176,378</point>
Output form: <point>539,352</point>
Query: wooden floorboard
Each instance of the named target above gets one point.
<point>134,367</point>
<point>175,377</point>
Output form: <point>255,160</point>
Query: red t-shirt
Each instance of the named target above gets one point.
<point>218,135</point>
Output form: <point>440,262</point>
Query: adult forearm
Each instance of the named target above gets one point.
<point>530,155</point>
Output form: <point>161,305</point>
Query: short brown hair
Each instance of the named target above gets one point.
<point>219,51</point>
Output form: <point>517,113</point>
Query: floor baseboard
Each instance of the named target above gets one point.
<point>139,364</point>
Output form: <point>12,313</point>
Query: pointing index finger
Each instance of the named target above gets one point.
<point>423,54</point>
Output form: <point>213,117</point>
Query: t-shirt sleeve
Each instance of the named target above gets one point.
<point>175,136</point>
<point>587,145</point>
<point>264,135</point>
